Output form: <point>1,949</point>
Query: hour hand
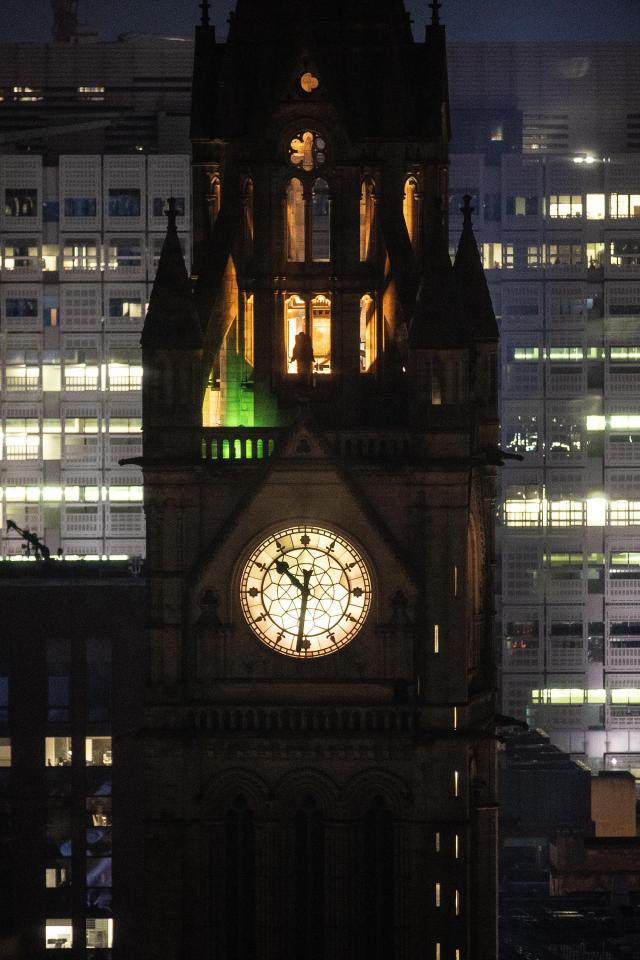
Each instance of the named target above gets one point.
<point>283,568</point>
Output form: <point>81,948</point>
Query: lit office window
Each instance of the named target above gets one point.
<point>80,254</point>
<point>58,751</point>
<point>98,751</point>
<point>5,752</point>
<point>625,205</point>
<point>57,874</point>
<point>565,206</point>
<point>596,206</point>
<point>99,933</point>
<point>438,894</point>
<point>21,256</point>
<point>59,934</point>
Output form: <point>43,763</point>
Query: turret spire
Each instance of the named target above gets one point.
<point>172,320</point>
<point>471,278</point>
<point>435,12</point>
<point>204,6</point>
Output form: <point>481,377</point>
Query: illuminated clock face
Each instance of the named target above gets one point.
<point>305,591</point>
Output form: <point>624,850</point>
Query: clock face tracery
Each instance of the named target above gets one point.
<point>305,591</point>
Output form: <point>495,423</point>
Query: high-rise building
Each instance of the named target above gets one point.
<point>320,424</point>
<point>93,138</point>
<point>546,140</point>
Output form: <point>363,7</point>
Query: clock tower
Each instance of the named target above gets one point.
<point>319,434</point>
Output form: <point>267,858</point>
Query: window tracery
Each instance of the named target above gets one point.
<point>307,151</point>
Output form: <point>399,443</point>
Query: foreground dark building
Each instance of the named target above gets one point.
<point>320,424</point>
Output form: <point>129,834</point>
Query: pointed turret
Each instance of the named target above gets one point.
<point>172,320</point>
<point>171,352</point>
<point>470,277</point>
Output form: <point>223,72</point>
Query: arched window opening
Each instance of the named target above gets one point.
<point>411,210</point>
<point>309,881</point>
<point>367,333</point>
<point>320,222</point>
<point>312,320</point>
<point>240,873</point>
<point>321,333</point>
<point>214,198</point>
<point>367,220</point>
<point>295,323</point>
<point>295,221</point>
<point>248,216</point>
<point>249,325</point>
<point>378,882</point>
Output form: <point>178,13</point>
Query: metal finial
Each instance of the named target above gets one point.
<point>467,209</point>
<point>435,12</point>
<point>204,6</point>
<point>171,214</point>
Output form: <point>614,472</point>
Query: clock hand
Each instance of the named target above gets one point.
<point>303,644</point>
<point>283,568</point>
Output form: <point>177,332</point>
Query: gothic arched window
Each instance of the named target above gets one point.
<point>214,197</point>
<point>320,222</point>
<point>367,220</point>
<point>311,316</point>
<point>240,874</point>
<point>295,221</point>
<point>309,881</point>
<point>378,882</point>
<point>411,210</point>
<point>367,333</point>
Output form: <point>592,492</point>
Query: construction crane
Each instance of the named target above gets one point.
<point>65,20</point>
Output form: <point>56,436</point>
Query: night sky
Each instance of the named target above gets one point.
<point>465,19</point>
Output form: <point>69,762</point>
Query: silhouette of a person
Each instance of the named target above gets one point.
<point>303,356</point>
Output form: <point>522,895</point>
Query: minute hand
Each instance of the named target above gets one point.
<point>303,644</point>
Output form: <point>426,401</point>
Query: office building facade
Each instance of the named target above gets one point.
<point>547,143</point>
<point>92,141</point>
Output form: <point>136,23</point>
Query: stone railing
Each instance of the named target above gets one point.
<point>310,720</point>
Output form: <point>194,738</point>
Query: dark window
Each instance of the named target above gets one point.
<point>124,203</point>
<point>21,203</point>
<point>240,905</point>
<point>309,882</point>
<point>51,211</point>
<point>4,699</point>
<point>378,883</point>
<point>22,307</point>
<point>98,681</point>
<point>160,206</point>
<point>81,206</point>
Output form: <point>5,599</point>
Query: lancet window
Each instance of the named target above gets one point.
<point>411,210</point>
<point>367,220</point>
<point>308,203</point>
<point>368,332</point>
